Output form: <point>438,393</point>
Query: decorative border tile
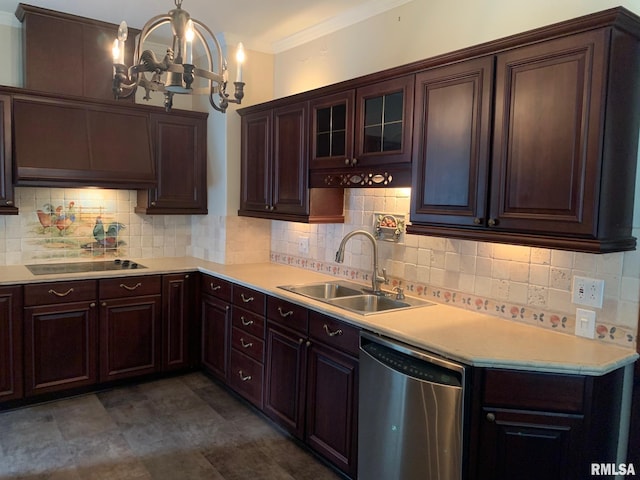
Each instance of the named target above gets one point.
<point>528,314</point>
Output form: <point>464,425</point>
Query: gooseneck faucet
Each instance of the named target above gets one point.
<point>376,279</point>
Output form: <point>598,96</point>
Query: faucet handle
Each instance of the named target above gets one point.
<point>400,292</point>
<point>384,275</point>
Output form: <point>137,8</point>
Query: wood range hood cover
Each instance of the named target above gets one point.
<point>67,129</point>
<point>74,142</point>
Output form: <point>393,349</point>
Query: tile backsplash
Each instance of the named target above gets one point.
<point>531,285</point>
<point>58,224</point>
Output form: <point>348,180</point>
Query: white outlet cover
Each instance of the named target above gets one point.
<point>303,244</point>
<point>585,323</point>
<point>588,291</point>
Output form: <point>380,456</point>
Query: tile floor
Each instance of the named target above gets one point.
<point>181,428</point>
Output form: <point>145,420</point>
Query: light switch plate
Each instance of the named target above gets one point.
<point>585,323</point>
<point>588,291</point>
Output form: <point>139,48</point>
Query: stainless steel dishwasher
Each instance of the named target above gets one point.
<point>410,420</point>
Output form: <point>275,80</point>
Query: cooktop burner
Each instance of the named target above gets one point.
<point>81,267</point>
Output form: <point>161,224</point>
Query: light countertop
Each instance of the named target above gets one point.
<point>470,337</point>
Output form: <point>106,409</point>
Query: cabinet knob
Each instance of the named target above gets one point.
<point>9,202</point>
<point>492,222</point>
<point>186,276</point>
<point>308,344</point>
<point>92,304</point>
<point>491,417</point>
<point>347,162</point>
<point>477,221</point>
<point>354,161</point>
<point>153,204</point>
<point>104,304</point>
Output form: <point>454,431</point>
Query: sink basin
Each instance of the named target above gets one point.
<point>368,303</point>
<point>325,290</point>
<point>352,297</point>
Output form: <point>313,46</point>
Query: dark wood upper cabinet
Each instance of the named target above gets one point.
<point>361,137</point>
<point>180,150</point>
<point>68,54</point>
<point>275,169</point>
<point>555,166</point>
<point>452,143</point>
<point>65,142</point>
<point>7,204</point>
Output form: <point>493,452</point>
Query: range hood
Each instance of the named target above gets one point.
<point>61,141</point>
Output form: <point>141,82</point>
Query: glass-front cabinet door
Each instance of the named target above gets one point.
<point>332,130</point>
<point>384,114</point>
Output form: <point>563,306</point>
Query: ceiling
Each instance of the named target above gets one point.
<point>263,25</point>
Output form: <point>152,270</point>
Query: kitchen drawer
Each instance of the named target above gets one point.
<point>60,292</point>
<point>130,287</point>
<point>332,332</point>
<point>247,344</point>
<point>248,321</point>
<point>288,314</point>
<point>539,391</point>
<point>249,299</point>
<point>216,287</point>
<point>246,377</point>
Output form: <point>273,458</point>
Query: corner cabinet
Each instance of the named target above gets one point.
<point>11,384</point>
<point>535,425</point>
<point>554,166</point>
<point>7,203</point>
<point>180,150</point>
<point>275,168</point>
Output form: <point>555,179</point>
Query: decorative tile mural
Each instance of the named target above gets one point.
<point>75,230</point>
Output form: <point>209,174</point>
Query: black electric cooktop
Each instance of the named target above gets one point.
<point>81,267</point>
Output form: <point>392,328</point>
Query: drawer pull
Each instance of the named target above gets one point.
<point>245,299</point>
<point>244,377</point>
<point>330,333</point>
<point>246,322</point>
<point>284,314</point>
<point>245,344</point>
<point>215,287</point>
<point>131,289</point>
<point>63,294</point>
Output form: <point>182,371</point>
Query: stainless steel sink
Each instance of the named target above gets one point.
<point>325,290</point>
<point>353,297</point>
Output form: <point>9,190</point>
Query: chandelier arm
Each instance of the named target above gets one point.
<point>199,72</point>
<point>147,30</point>
<point>212,37</point>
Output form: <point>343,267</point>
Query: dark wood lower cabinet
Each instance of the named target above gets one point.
<point>177,312</point>
<point>332,413</point>
<point>215,317</point>
<point>10,343</point>
<point>130,327</point>
<point>535,425</point>
<point>60,347</point>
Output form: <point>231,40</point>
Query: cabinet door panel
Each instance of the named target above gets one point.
<point>451,143</point>
<point>384,119</point>
<point>332,412</point>
<point>290,161</point>
<point>10,343</point>
<point>7,205</point>
<point>331,120</point>
<point>60,347</point>
<point>530,446</point>
<point>256,161</point>
<point>130,337</point>
<point>546,148</point>
<point>215,335</point>
<point>284,373</point>
<point>176,324</point>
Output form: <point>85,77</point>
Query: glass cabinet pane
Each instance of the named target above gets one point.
<point>383,123</point>
<point>331,131</point>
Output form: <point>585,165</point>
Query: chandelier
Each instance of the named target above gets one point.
<point>176,72</point>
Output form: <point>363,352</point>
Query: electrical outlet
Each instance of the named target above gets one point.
<point>303,245</point>
<point>585,323</point>
<point>588,291</point>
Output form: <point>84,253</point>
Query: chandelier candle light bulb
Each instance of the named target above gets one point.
<point>240,60</point>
